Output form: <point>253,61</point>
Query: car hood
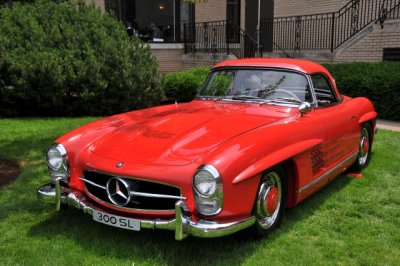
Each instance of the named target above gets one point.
<point>180,134</point>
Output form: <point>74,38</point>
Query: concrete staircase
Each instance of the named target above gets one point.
<point>366,46</point>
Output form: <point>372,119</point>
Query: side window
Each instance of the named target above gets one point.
<point>323,90</point>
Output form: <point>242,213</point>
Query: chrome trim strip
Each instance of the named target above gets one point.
<point>314,103</point>
<point>133,178</point>
<point>323,176</point>
<point>92,183</point>
<point>107,204</point>
<point>182,224</point>
<point>253,102</point>
<point>142,194</point>
<point>159,196</point>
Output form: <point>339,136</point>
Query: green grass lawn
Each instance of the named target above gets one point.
<point>350,222</point>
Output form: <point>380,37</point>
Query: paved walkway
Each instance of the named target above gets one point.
<point>389,125</point>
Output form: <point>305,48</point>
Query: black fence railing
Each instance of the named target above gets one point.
<point>311,32</point>
<point>219,37</point>
<point>326,31</point>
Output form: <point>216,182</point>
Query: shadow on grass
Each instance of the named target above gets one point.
<point>156,247</point>
<point>161,246</point>
<point>306,208</point>
<point>35,136</point>
<point>27,148</point>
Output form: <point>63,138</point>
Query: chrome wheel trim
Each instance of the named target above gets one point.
<point>264,219</point>
<point>364,147</point>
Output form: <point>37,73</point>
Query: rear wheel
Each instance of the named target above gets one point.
<point>365,146</point>
<point>270,202</point>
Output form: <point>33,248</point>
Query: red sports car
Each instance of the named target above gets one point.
<point>262,135</point>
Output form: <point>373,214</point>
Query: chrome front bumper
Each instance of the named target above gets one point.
<point>183,225</point>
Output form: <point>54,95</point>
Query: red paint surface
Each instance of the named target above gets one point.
<point>355,175</point>
<point>272,200</point>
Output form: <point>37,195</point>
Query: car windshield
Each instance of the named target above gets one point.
<point>264,85</point>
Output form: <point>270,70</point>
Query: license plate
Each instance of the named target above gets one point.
<point>117,221</point>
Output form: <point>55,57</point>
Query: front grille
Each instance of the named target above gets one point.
<point>153,196</point>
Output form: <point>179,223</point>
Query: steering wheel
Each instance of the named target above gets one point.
<point>276,91</point>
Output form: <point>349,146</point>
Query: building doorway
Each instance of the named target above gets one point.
<point>251,17</point>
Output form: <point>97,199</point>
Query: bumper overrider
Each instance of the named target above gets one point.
<point>183,225</point>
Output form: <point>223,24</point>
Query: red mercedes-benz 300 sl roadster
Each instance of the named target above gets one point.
<point>262,135</point>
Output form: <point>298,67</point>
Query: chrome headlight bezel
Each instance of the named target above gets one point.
<point>60,169</point>
<point>208,197</point>
<point>56,150</point>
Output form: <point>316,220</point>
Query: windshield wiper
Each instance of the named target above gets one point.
<point>291,100</point>
<point>245,97</point>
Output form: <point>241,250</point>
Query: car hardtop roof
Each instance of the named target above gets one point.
<point>286,63</point>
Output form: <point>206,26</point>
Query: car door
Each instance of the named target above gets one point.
<point>340,121</point>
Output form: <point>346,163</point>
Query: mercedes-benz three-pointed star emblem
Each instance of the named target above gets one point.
<point>118,191</point>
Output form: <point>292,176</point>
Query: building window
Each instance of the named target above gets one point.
<point>391,54</point>
<point>233,11</point>
<point>153,20</point>
<point>233,16</point>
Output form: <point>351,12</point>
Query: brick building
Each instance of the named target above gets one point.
<point>183,35</point>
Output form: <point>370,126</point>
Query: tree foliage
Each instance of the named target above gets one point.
<point>71,59</point>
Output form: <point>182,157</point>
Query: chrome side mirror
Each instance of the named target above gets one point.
<point>304,108</point>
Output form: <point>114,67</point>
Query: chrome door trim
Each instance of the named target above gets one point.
<point>327,174</point>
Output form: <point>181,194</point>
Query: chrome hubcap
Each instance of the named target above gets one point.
<point>269,200</point>
<point>364,147</point>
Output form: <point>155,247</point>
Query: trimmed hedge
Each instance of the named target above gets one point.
<point>380,82</point>
<point>183,86</point>
<point>70,59</point>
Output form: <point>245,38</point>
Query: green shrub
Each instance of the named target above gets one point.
<point>70,59</point>
<point>183,86</point>
<point>200,72</point>
<point>380,82</point>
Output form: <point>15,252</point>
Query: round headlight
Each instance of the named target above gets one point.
<point>205,183</point>
<point>55,157</point>
<point>208,190</point>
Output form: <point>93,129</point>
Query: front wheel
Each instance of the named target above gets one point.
<point>270,202</point>
<point>365,146</point>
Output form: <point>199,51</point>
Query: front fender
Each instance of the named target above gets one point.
<point>368,116</point>
<point>275,158</point>
<point>242,160</point>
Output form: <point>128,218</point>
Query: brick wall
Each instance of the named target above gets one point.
<point>285,8</point>
<point>169,56</point>
<point>97,3</point>
<point>213,10</point>
<point>370,47</point>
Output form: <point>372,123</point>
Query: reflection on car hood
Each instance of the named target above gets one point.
<point>179,134</point>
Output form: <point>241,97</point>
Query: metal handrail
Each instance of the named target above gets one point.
<point>323,31</point>
<point>327,31</point>
<point>219,37</point>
